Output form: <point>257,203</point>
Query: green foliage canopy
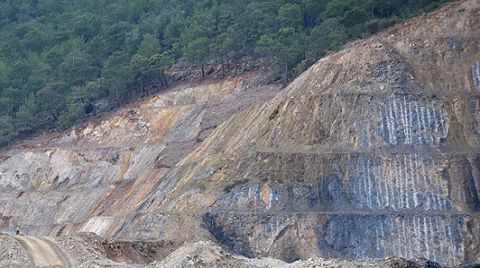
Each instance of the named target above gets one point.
<point>60,58</point>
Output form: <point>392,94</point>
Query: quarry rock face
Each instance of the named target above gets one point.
<point>91,178</point>
<point>372,152</point>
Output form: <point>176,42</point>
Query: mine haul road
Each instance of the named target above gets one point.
<point>44,252</point>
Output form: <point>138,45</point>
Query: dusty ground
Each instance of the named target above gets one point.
<point>208,254</point>
<point>44,252</point>
<point>12,254</point>
<point>89,250</point>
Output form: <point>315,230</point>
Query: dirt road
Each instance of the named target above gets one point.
<point>44,252</point>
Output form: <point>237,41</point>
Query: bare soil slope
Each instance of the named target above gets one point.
<point>372,152</point>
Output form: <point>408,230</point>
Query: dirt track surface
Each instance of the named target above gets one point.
<point>44,252</point>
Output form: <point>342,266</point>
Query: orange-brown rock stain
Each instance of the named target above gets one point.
<point>126,163</point>
<point>161,122</point>
<point>266,194</point>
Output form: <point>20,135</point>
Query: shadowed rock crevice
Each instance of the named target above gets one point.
<point>227,238</point>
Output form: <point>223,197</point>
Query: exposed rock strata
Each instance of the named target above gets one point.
<point>373,152</point>
<point>92,178</point>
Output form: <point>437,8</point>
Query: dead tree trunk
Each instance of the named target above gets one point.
<point>162,78</point>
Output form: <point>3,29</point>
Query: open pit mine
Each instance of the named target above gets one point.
<point>371,158</point>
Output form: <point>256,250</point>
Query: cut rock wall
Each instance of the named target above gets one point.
<point>372,152</point>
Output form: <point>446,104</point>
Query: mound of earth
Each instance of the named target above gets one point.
<point>208,254</point>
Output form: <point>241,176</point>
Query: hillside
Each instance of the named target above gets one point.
<point>66,61</point>
<point>372,152</point>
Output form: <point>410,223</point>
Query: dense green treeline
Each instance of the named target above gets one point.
<point>62,60</point>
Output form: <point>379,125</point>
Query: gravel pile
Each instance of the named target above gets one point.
<point>12,254</point>
<point>208,254</point>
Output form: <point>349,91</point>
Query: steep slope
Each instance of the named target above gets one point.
<point>91,178</point>
<point>373,152</point>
